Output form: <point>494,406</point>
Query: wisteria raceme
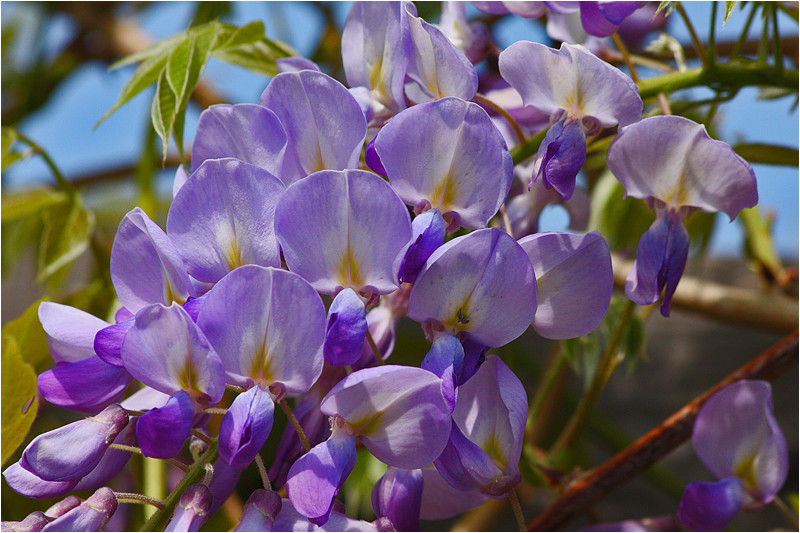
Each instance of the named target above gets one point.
<point>309,228</point>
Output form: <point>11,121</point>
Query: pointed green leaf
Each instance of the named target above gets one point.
<point>668,4</point>
<point>768,154</point>
<point>247,47</point>
<point>232,37</point>
<point>729,10</point>
<point>28,332</point>
<point>66,234</point>
<point>25,203</point>
<point>9,157</point>
<point>163,112</point>
<point>758,242</point>
<point>19,403</point>
<point>160,49</point>
<point>146,75</point>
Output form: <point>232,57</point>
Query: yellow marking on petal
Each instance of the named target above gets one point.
<point>234,257</point>
<point>573,104</point>
<point>376,75</point>
<point>169,294</point>
<point>746,471</point>
<point>680,192</point>
<point>261,372</point>
<point>444,194</point>
<point>367,425</point>
<point>349,275</point>
<point>495,452</point>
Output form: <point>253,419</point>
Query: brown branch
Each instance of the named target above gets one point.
<point>659,442</point>
<point>733,305</point>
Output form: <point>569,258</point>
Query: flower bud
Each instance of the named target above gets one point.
<point>91,515</point>
<point>260,511</point>
<point>192,510</point>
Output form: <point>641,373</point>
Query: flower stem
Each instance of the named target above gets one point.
<point>549,379</point>
<point>375,350</point>
<point>235,388</point>
<point>262,470</point>
<point>216,411</point>
<point>134,449</point>
<point>512,498</point>
<point>787,512</point>
<point>154,477</point>
<point>295,423</point>
<point>604,370</point>
<point>481,99</point>
<point>202,436</point>
<point>698,47</point>
<point>134,497</point>
<point>62,181</point>
<point>156,522</point>
<point>626,57</point>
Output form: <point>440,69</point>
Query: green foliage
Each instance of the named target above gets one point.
<point>729,7</point>
<point>584,353</point>
<point>9,137</point>
<point>668,5</point>
<point>23,345</point>
<point>768,154</point>
<point>23,204</point>
<point>700,226</point>
<point>357,490</point>
<point>621,221</point>
<point>65,236</point>
<point>175,65</point>
<point>758,243</point>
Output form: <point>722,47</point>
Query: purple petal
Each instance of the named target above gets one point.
<point>708,506</point>
<point>323,122</point>
<point>446,360</point>
<point>248,132</point>
<point>290,520</point>
<point>315,479</point>
<point>672,160</point>
<point>246,426</point>
<point>70,332</point>
<point>560,157</point>
<point>571,80</point>
<point>144,399</point>
<point>88,385</point>
<point>428,233</point>
<point>474,357</point>
<point>145,265</point>
<point>347,329</point>
<point>447,155</point>
<point>398,496</point>
<point>399,412</point>
<point>30,485</point>
<point>482,284</point>
<point>222,484</point>
<point>33,522</point>
<point>465,466</point>
<point>343,229</point>
<point>295,64</point>
<point>574,280</point>
<point>382,324</point>
<point>594,22</point>
<point>180,178</point>
<point>237,202</point>
<point>91,515</point>
<point>376,45</point>
<point>260,511</point>
<point>736,434</point>
<point>192,509</point>
<point>268,327</point>
<point>373,160</point>
<point>166,351</point>
<point>110,465</point>
<point>161,432</point>
<point>660,260</point>
<point>72,451</point>
<point>437,66</point>
<point>442,500</point>
<point>108,342</point>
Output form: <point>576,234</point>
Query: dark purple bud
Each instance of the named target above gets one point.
<point>64,506</point>
<point>315,479</point>
<point>161,432</point>
<point>347,329</point>
<point>474,356</point>
<point>560,157</point>
<point>398,497</point>
<point>108,342</point>
<point>31,486</point>
<point>660,260</point>
<point>91,515</point>
<point>373,160</point>
<point>88,385</point>
<point>709,506</point>
<point>246,426</point>
<point>260,511</point>
<point>384,524</point>
<point>428,232</point>
<point>33,522</point>
<point>192,510</point>
<point>446,360</point>
<point>72,451</point>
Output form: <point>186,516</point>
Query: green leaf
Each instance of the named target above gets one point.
<point>622,221</point>
<point>160,49</point>
<point>247,47</point>
<point>759,244</point>
<point>147,74</point>
<point>700,226</point>
<point>208,11</point>
<point>66,233</point>
<point>9,157</point>
<point>31,339</point>
<point>22,204</point>
<point>664,5</point>
<point>729,6</point>
<point>768,154</point>
<point>19,403</point>
<point>163,112</point>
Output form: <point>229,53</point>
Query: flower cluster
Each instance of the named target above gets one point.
<point>306,198</point>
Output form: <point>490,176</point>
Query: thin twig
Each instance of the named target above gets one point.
<point>202,436</point>
<point>375,350</point>
<point>711,43</point>
<point>132,412</point>
<point>481,99</point>
<point>134,497</point>
<point>737,48</point>
<point>295,423</point>
<point>659,442</point>
<point>698,47</point>
<point>262,470</point>
<point>626,57</point>
<point>215,411</point>
<point>662,101</point>
<point>506,220</point>
<point>512,497</point>
<point>787,512</point>
<point>776,40</point>
<point>65,185</point>
<point>134,449</point>
<point>235,388</point>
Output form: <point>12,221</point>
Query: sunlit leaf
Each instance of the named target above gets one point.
<point>9,157</point>
<point>769,154</point>
<point>19,403</point>
<point>66,234</point>
<point>163,111</point>
<point>622,221</point>
<point>28,332</point>
<point>208,11</point>
<point>25,203</point>
<point>146,75</point>
<point>668,5</point>
<point>759,244</point>
<point>729,6</point>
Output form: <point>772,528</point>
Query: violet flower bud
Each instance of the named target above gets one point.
<point>90,515</point>
<point>346,329</point>
<point>33,522</point>
<point>192,509</point>
<point>398,497</point>
<point>260,511</point>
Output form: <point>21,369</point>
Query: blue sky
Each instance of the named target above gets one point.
<point>64,127</point>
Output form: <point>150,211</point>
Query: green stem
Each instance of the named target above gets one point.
<point>154,474</point>
<point>296,424</point>
<point>787,512</point>
<point>711,49</point>
<point>776,40</point>
<point>195,473</point>
<point>375,350</point>
<point>133,497</point>
<point>512,498</point>
<point>62,181</point>
<point>604,370</point>
<point>718,76</point>
<point>743,37</point>
<point>698,47</point>
<point>763,46</point>
<point>549,379</point>
<point>527,149</point>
